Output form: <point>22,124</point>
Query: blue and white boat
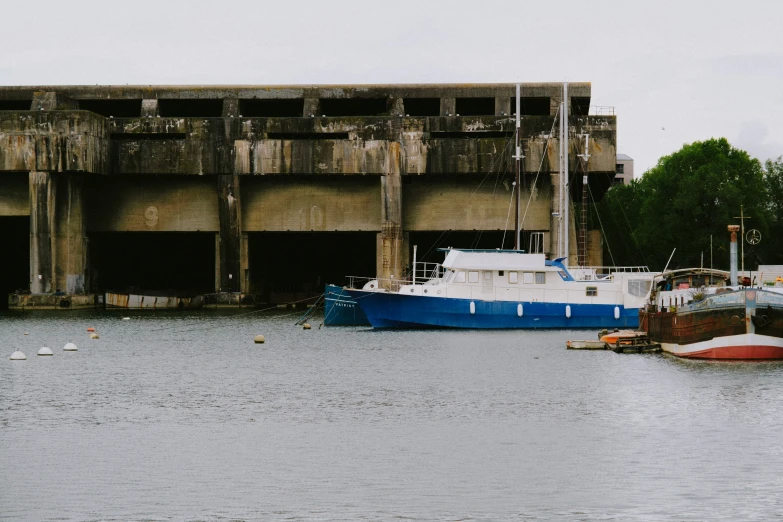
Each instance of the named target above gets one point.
<point>508,289</point>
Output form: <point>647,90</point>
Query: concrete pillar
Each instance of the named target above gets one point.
<point>390,254</point>
<point>448,106</point>
<point>396,107</point>
<point>312,106</point>
<point>230,107</point>
<point>502,105</point>
<point>227,258</point>
<point>43,190</point>
<point>70,236</point>
<point>149,108</point>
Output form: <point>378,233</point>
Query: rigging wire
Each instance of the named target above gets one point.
<point>598,215</point>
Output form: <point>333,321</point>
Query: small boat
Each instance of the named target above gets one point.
<point>703,313</point>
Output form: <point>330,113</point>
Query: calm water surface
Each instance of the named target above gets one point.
<point>179,416</point>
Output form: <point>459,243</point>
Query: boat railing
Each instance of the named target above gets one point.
<point>423,271</point>
<point>391,284</point>
<point>606,270</point>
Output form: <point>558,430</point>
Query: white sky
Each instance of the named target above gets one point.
<point>697,69</point>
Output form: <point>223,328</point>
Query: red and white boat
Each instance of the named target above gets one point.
<point>704,314</point>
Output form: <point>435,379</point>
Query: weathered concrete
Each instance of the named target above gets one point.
<point>43,189</point>
<point>152,204</point>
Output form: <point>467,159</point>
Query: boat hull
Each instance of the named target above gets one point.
<point>743,346</point>
<point>340,309</point>
<point>391,310</point>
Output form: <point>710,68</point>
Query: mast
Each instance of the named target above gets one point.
<point>566,196</point>
<point>560,188</point>
<point>517,185</point>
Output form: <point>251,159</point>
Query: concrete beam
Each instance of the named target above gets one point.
<point>308,203</point>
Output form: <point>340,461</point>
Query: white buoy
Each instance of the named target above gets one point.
<point>18,356</point>
<point>472,307</point>
<point>126,318</point>
<point>70,347</point>
<point>94,336</point>
<point>26,333</point>
<point>519,310</point>
<point>306,326</point>
<point>259,339</point>
<point>616,312</point>
<point>568,311</point>
<point>45,351</point>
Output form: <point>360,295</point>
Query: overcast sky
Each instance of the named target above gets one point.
<point>676,71</point>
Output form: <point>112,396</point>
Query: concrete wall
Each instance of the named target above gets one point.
<point>470,203</point>
<point>152,204</point>
<point>303,204</point>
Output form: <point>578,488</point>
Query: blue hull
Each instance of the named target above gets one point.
<point>386,310</point>
<point>340,309</point>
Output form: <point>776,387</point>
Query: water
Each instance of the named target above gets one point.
<point>179,416</point>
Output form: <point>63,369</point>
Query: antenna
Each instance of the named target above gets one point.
<point>670,259</point>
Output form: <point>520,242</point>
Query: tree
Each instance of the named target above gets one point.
<point>687,197</point>
<point>773,179</point>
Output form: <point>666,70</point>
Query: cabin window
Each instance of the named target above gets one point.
<point>639,287</point>
<point>473,277</point>
<point>528,278</point>
<point>460,277</point>
<point>500,273</point>
<point>591,291</point>
<point>487,276</point>
<point>540,278</point>
<point>513,277</point>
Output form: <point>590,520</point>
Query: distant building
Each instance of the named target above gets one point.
<point>623,170</point>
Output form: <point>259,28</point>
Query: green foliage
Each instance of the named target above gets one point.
<point>689,196</point>
<point>773,179</point>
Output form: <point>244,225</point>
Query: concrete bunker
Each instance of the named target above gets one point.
<point>291,266</point>
<point>152,263</point>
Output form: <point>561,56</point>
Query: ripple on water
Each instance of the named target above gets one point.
<point>174,416</point>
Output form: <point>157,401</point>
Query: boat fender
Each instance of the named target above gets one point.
<point>616,312</point>
<point>519,310</point>
<point>65,303</point>
<point>568,311</point>
<point>472,308</point>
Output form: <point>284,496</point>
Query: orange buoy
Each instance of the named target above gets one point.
<point>90,329</point>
